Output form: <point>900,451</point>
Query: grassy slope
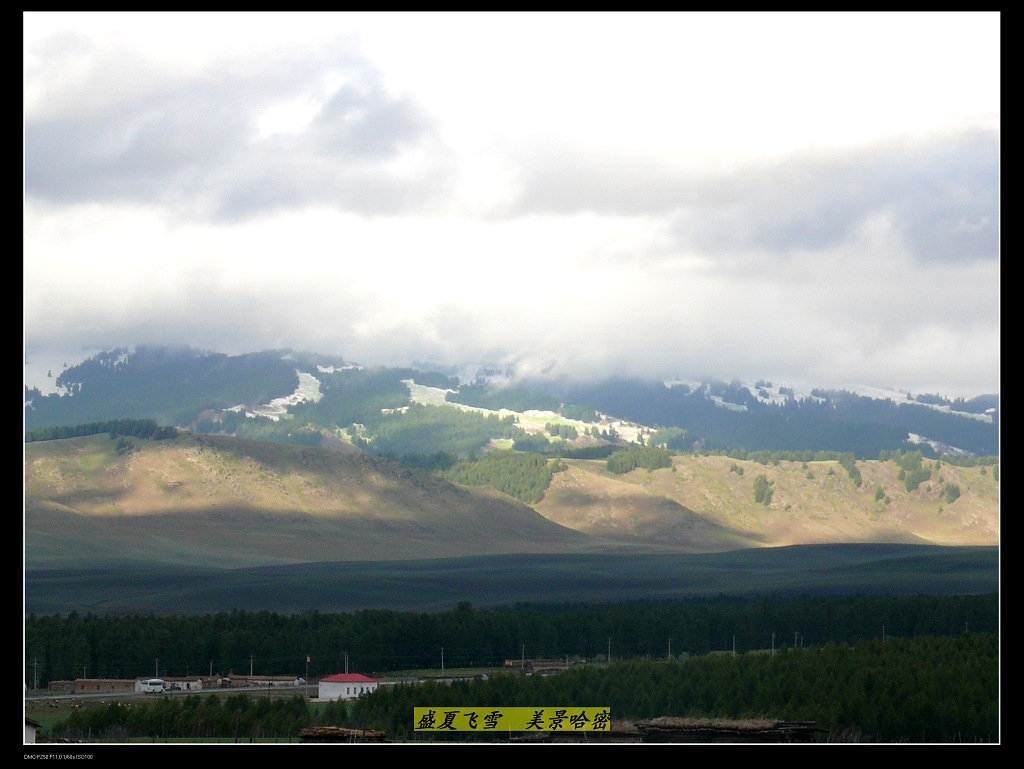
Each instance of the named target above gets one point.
<point>702,505</point>
<point>218,502</point>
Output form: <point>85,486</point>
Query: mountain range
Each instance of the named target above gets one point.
<point>345,465</point>
<point>205,391</point>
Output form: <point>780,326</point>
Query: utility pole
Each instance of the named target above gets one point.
<point>670,649</point>
<point>250,666</point>
<point>609,650</point>
<point>346,663</point>
<point>734,646</point>
<point>35,673</point>
<point>442,659</point>
<point>773,644</point>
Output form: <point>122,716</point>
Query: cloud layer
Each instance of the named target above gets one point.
<point>364,190</point>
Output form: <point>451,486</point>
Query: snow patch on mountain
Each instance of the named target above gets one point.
<point>308,390</point>
<point>767,392</point>
<point>939,448</point>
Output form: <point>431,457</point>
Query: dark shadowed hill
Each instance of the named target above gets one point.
<point>501,580</point>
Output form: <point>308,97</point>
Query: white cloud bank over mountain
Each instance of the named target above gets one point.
<point>802,196</point>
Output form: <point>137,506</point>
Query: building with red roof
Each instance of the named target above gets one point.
<point>345,686</point>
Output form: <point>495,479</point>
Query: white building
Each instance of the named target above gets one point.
<point>345,686</point>
<point>31,727</point>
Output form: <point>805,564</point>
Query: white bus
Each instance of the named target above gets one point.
<point>154,685</point>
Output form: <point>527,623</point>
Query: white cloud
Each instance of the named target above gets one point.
<point>811,195</point>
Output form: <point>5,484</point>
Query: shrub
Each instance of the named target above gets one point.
<point>762,490</point>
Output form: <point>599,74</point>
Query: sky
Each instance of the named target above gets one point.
<point>801,197</point>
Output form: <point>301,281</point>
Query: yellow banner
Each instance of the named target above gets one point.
<point>512,719</point>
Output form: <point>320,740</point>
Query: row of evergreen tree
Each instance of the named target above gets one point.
<point>67,647</point>
<point>523,476</point>
<point>135,428</point>
<point>235,716</point>
<point>925,689</point>
<point>626,460</point>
